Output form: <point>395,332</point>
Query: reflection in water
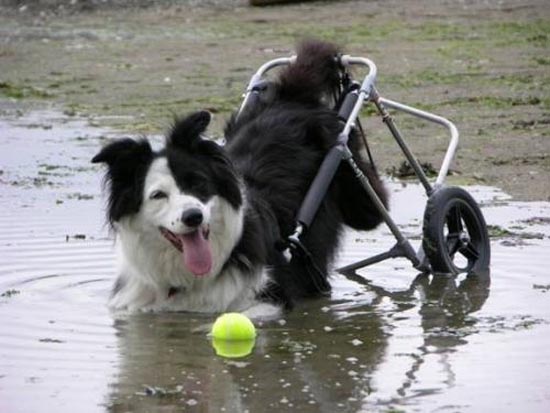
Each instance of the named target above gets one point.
<point>310,361</point>
<point>321,358</point>
<point>444,304</point>
<point>444,319</point>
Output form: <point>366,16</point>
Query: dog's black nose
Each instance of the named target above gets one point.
<point>192,217</point>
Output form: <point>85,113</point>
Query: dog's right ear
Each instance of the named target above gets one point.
<point>186,131</point>
<point>124,150</point>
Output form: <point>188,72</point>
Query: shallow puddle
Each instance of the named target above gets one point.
<point>387,339</point>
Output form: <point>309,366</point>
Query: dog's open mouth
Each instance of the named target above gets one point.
<point>195,249</point>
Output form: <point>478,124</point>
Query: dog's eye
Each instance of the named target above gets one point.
<point>158,195</point>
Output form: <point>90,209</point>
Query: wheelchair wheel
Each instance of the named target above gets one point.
<point>455,234</point>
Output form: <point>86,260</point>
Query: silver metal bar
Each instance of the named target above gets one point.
<point>281,61</point>
<point>402,241</point>
<point>347,60</point>
<point>394,252</point>
<point>388,120</point>
<point>436,119</point>
<point>350,123</point>
<point>350,60</point>
<point>365,92</point>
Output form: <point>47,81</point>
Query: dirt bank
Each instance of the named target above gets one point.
<point>483,65</point>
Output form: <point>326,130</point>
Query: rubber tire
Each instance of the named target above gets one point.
<point>455,208</point>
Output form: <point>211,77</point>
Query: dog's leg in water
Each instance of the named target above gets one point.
<point>263,311</point>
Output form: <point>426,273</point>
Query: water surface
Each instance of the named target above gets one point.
<point>387,339</point>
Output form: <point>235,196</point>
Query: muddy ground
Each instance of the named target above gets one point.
<point>132,67</point>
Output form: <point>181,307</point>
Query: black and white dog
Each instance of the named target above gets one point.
<point>197,223</point>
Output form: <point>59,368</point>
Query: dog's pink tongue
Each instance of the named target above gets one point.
<point>197,256</point>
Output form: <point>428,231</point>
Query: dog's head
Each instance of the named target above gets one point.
<point>186,194</point>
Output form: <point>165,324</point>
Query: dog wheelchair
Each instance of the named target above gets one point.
<point>455,237</point>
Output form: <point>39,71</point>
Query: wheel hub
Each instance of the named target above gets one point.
<point>464,239</point>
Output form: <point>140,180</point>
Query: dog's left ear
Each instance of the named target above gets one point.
<point>187,131</point>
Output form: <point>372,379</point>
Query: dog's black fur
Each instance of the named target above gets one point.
<point>277,147</point>
<point>272,154</point>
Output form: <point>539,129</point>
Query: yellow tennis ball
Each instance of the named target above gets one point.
<point>233,348</point>
<point>234,327</point>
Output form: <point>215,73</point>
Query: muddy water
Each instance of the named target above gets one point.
<point>387,339</point>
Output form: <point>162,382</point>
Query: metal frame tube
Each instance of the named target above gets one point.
<point>435,119</point>
<point>256,77</point>
<point>319,186</point>
<point>403,243</point>
<point>364,93</point>
<point>373,71</point>
<point>387,119</point>
<point>368,92</point>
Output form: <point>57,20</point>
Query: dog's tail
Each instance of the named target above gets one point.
<point>316,74</point>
